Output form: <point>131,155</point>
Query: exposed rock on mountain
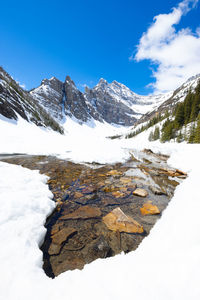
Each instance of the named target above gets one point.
<point>49,95</point>
<point>114,103</point>
<point>169,104</point>
<point>15,101</point>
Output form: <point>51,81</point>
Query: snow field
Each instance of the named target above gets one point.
<point>165,266</point>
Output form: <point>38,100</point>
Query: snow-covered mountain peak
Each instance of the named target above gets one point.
<point>101,84</point>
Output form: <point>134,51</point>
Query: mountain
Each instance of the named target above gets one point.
<point>121,100</point>
<point>113,103</point>
<point>176,97</point>
<point>49,104</point>
<point>15,101</point>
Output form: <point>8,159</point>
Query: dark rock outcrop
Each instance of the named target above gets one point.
<point>15,101</point>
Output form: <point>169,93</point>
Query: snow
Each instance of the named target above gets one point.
<point>165,266</point>
<point>81,143</point>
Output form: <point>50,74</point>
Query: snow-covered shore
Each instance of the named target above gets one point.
<point>165,266</point>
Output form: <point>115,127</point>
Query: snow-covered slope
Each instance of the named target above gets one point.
<point>122,95</point>
<point>170,102</point>
<point>14,102</point>
<point>165,266</point>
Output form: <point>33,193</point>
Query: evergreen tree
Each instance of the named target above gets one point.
<point>197,132</point>
<point>150,136</point>
<point>168,132</point>
<point>188,107</point>
<point>156,134</point>
<point>179,137</point>
<point>192,134</point>
<point>179,115</point>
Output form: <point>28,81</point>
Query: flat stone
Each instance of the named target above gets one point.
<point>114,173</point>
<point>118,194</point>
<point>61,236</point>
<point>125,180</point>
<point>85,212</point>
<point>58,238</point>
<point>116,220</point>
<point>149,209</point>
<point>140,192</point>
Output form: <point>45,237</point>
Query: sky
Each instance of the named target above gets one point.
<point>150,46</point>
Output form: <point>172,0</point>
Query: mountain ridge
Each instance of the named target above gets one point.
<point>49,104</point>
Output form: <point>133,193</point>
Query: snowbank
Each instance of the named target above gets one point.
<point>165,266</point>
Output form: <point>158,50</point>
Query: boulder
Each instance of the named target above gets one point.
<point>116,220</point>
<point>140,192</point>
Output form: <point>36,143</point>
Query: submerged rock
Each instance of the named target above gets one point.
<point>116,220</point>
<point>149,209</point>
<point>59,238</point>
<point>85,212</point>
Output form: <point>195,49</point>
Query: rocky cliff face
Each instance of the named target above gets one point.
<point>15,101</point>
<point>113,102</point>
<point>49,95</point>
<point>53,100</point>
<point>112,106</point>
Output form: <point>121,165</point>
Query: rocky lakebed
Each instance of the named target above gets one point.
<point>101,210</point>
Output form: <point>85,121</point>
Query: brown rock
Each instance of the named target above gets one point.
<point>118,194</point>
<point>85,212</point>
<point>149,209</point>
<point>58,238</point>
<point>116,220</point>
<point>75,263</point>
<point>125,180</point>
<point>61,236</point>
<point>157,191</point>
<point>110,188</point>
<point>140,192</point>
<point>78,195</point>
<point>114,173</point>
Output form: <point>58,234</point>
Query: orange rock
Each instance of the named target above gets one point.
<point>140,192</point>
<point>149,209</point>
<point>85,212</point>
<point>118,194</point>
<point>125,180</point>
<point>116,220</point>
<point>114,173</point>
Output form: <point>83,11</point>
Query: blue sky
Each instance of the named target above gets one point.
<point>84,39</point>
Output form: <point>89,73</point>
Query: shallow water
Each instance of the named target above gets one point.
<point>82,236</point>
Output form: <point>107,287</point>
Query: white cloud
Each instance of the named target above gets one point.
<point>176,54</point>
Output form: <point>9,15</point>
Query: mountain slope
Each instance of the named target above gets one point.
<point>177,96</point>
<point>113,103</point>
<point>118,95</point>
<point>15,101</point>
